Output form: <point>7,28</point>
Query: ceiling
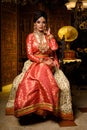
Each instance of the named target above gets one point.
<point>23,2</point>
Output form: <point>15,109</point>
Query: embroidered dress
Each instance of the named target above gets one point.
<point>41,85</point>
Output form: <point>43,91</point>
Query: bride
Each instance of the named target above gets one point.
<point>42,87</point>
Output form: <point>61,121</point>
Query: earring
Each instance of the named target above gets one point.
<point>35,28</point>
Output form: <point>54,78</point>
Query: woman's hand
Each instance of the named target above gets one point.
<point>48,32</point>
<point>49,62</point>
<point>49,35</point>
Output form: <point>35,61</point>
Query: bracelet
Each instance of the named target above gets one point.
<point>50,36</point>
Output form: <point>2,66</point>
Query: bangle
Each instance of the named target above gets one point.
<point>50,36</point>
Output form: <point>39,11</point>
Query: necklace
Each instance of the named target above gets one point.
<point>42,43</point>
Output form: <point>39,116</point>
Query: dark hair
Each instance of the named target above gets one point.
<point>39,14</point>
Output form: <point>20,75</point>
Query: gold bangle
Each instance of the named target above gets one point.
<point>50,36</point>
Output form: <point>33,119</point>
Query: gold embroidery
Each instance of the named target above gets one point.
<point>33,108</point>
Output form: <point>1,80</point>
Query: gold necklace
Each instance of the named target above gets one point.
<point>43,45</point>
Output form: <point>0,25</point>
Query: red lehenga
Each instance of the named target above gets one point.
<point>39,86</point>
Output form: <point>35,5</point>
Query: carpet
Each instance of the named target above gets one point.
<point>34,118</point>
<point>61,123</point>
<point>67,123</point>
<point>83,109</point>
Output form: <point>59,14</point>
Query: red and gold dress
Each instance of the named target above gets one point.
<point>41,85</point>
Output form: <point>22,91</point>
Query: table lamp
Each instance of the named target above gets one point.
<point>69,34</point>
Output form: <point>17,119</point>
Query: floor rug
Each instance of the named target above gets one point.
<point>83,109</point>
<point>66,123</point>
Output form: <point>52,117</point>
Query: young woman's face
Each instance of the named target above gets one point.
<point>40,24</point>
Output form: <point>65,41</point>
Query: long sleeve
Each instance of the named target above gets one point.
<point>30,55</point>
<point>53,44</point>
<point>56,62</point>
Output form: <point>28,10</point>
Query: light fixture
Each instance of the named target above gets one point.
<point>72,4</point>
<point>79,8</point>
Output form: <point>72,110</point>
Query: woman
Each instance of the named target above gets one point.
<point>41,87</point>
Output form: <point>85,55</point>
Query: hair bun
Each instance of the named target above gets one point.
<point>39,14</point>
